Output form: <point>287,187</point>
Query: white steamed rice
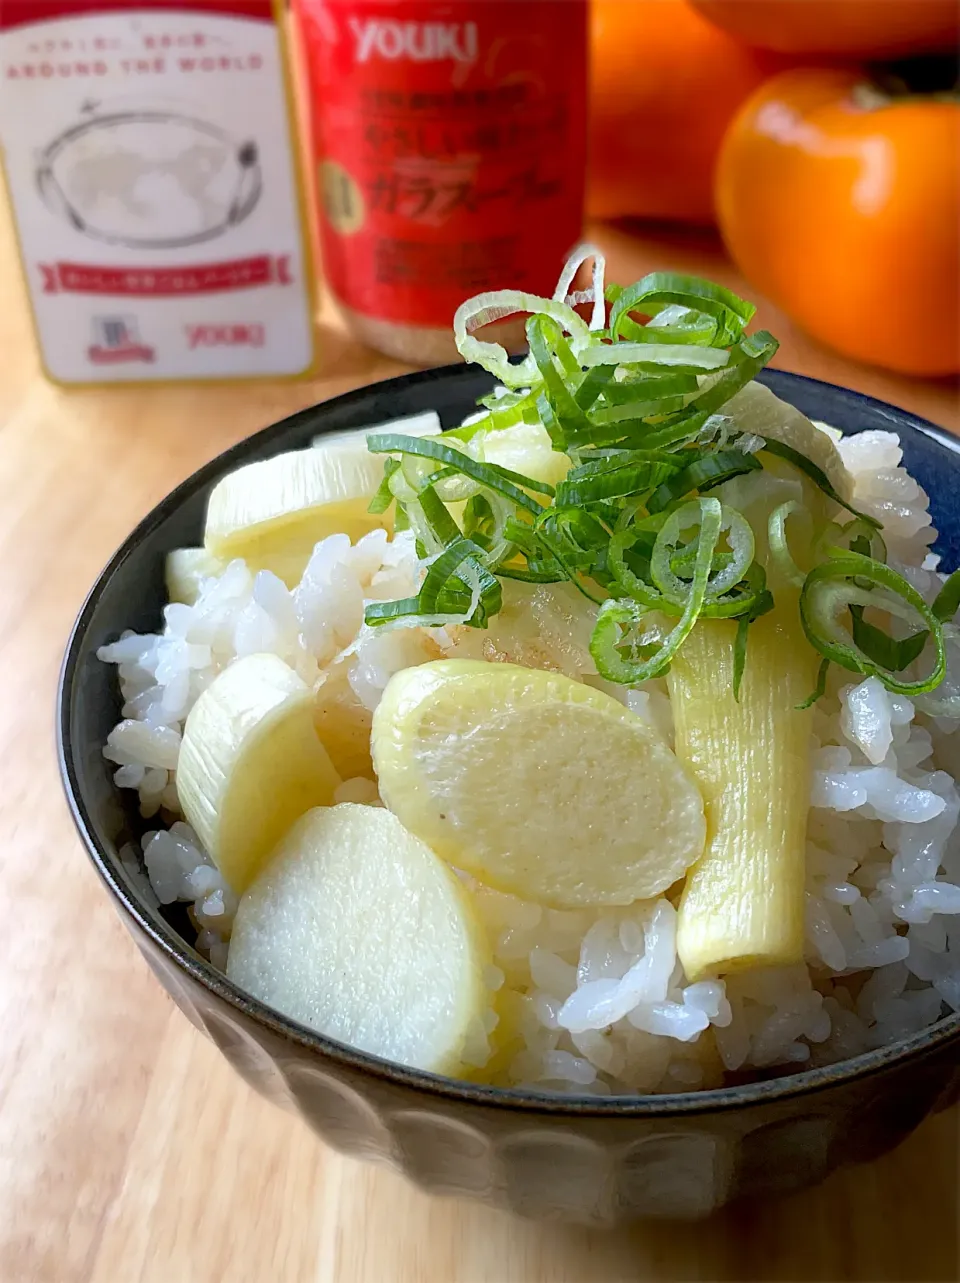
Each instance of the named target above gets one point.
<point>596,1001</point>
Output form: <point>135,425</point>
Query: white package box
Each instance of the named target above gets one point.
<point>149,158</point>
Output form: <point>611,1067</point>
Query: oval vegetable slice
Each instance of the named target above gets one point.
<point>273,512</point>
<point>536,784</point>
<point>251,763</point>
<point>357,930</point>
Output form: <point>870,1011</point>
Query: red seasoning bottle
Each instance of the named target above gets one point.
<point>450,154</point>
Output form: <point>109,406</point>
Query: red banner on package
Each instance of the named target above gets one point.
<point>166,282</point>
<point>18,13</point>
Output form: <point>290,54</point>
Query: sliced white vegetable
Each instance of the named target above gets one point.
<point>251,763</point>
<point>273,512</point>
<point>358,931</point>
<point>538,785</point>
<point>412,425</point>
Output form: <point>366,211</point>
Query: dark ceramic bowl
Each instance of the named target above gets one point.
<point>580,1158</point>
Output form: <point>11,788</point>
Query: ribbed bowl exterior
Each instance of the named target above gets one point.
<point>593,1161</point>
<point>573,1166</point>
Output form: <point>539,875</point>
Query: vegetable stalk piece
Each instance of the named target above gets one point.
<point>274,511</point>
<point>743,901</point>
<point>251,763</point>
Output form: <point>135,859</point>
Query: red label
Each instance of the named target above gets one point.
<point>451,147</point>
<point>225,336</point>
<point>18,13</point>
<point>118,355</point>
<point>160,282</point>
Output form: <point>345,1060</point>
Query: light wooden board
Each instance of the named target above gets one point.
<point>129,1152</point>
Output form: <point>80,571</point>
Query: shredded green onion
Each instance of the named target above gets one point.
<point>891,654</point>
<point>819,690</point>
<point>613,483</point>
<point>618,619</point>
<point>682,357</point>
<point>659,289</point>
<point>484,309</point>
<point>511,484</point>
<point>777,539</point>
<point>382,500</point>
<point>707,471</point>
<point>457,589</point>
<point>740,653</point>
<point>641,405</point>
<point>662,571</point>
<point>947,601</point>
<point>834,587</point>
<point>748,358</point>
<point>442,526</point>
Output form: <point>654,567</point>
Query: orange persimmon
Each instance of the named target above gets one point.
<point>844,28</point>
<point>842,205</point>
<point>664,85</point>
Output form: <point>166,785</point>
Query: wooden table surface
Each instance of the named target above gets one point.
<point>129,1151</point>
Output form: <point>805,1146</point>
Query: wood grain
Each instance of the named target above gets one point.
<point>129,1152</point>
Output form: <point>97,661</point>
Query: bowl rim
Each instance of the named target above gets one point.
<point>184,957</point>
